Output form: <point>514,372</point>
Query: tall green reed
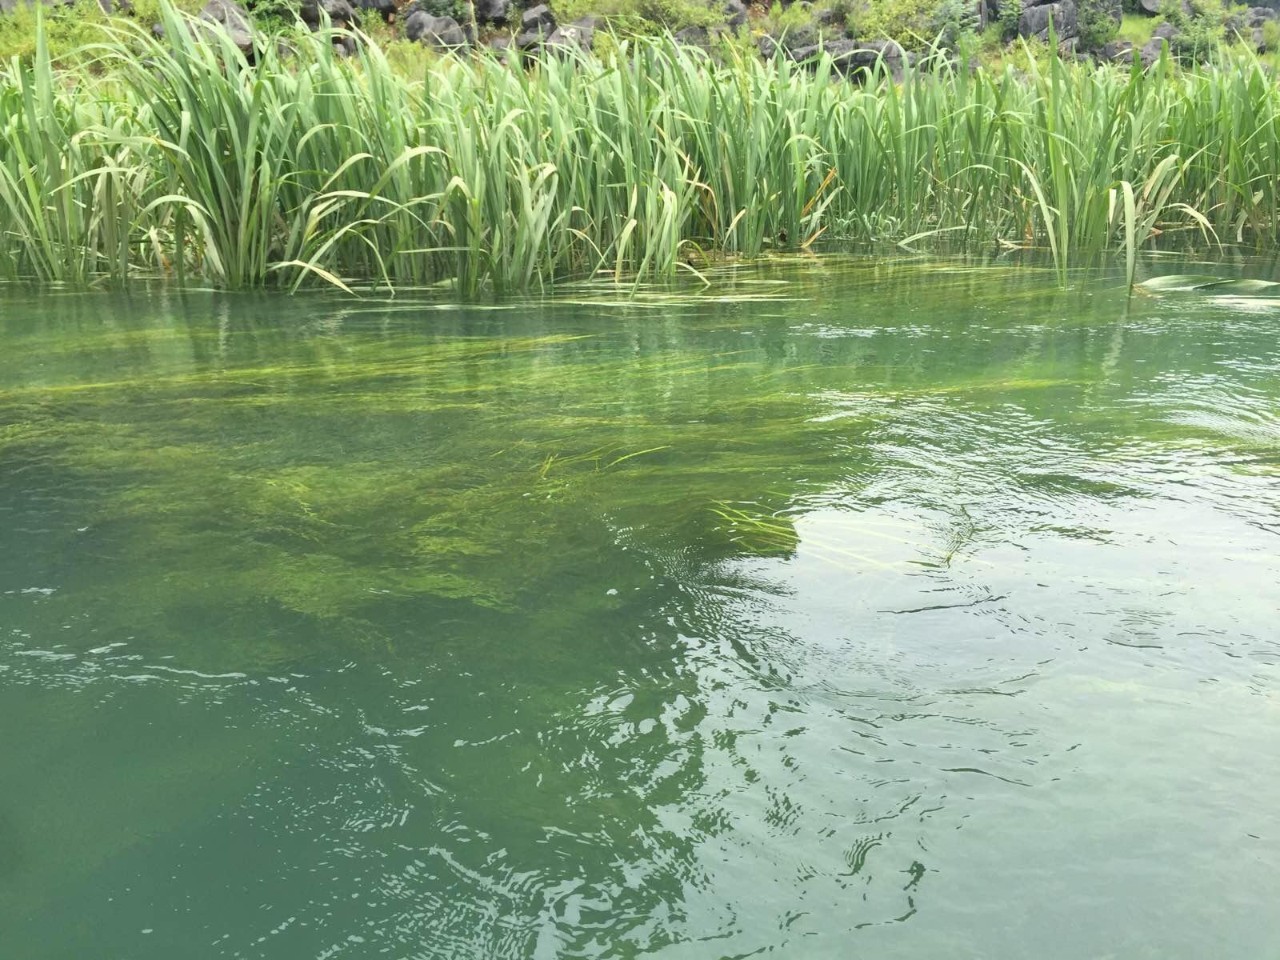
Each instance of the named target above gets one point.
<point>179,157</point>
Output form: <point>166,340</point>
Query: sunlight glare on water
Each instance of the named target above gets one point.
<point>852,608</point>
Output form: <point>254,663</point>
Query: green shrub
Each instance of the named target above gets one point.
<point>1136,28</point>
<point>1270,36</point>
<point>1010,14</point>
<point>677,14</point>
<point>643,17</point>
<point>793,25</point>
<point>274,14</point>
<point>844,11</point>
<point>901,20</point>
<point>949,22</point>
<point>1200,32</point>
<point>1096,27</point>
<point>148,12</point>
<point>439,8</point>
<point>67,29</point>
<point>780,18</point>
<point>1199,39</point>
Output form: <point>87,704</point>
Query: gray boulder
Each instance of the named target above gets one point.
<point>1151,50</point>
<point>873,55</point>
<point>1117,51</point>
<point>441,32</point>
<point>693,37</point>
<point>228,16</point>
<point>492,11</point>
<point>341,16</point>
<point>885,49</point>
<point>538,19</point>
<point>1164,31</point>
<point>1035,21</point>
<point>735,13</point>
<point>536,24</point>
<point>340,13</point>
<point>809,52</point>
<point>830,17</point>
<point>806,36</point>
<point>503,49</point>
<point>579,35</point>
<point>857,58</point>
<point>1156,7</point>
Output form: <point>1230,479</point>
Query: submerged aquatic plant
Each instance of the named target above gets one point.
<point>180,158</point>
<point>331,466</point>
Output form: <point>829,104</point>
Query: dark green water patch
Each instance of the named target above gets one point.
<point>896,608</point>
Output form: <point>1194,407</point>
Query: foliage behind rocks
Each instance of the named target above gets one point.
<point>1097,23</point>
<point>1193,30</point>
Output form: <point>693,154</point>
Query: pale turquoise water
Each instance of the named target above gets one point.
<point>851,609</point>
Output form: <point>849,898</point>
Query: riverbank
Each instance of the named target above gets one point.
<point>179,159</point>
<point>992,32</point>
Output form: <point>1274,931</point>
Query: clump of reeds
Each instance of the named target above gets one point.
<point>180,158</point>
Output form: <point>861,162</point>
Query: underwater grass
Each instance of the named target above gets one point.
<point>177,158</point>
<point>322,462</point>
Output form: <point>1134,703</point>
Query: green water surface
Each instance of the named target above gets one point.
<point>846,609</point>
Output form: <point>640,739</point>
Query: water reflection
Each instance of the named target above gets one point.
<point>896,609</point>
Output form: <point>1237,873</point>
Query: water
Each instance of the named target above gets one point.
<point>851,609</point>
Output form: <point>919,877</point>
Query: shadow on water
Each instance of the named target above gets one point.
<point>687,627</point>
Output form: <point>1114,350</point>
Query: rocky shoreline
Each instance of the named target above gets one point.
<point>1081,28</point>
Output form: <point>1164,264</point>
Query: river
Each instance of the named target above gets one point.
<point>848,607</point>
